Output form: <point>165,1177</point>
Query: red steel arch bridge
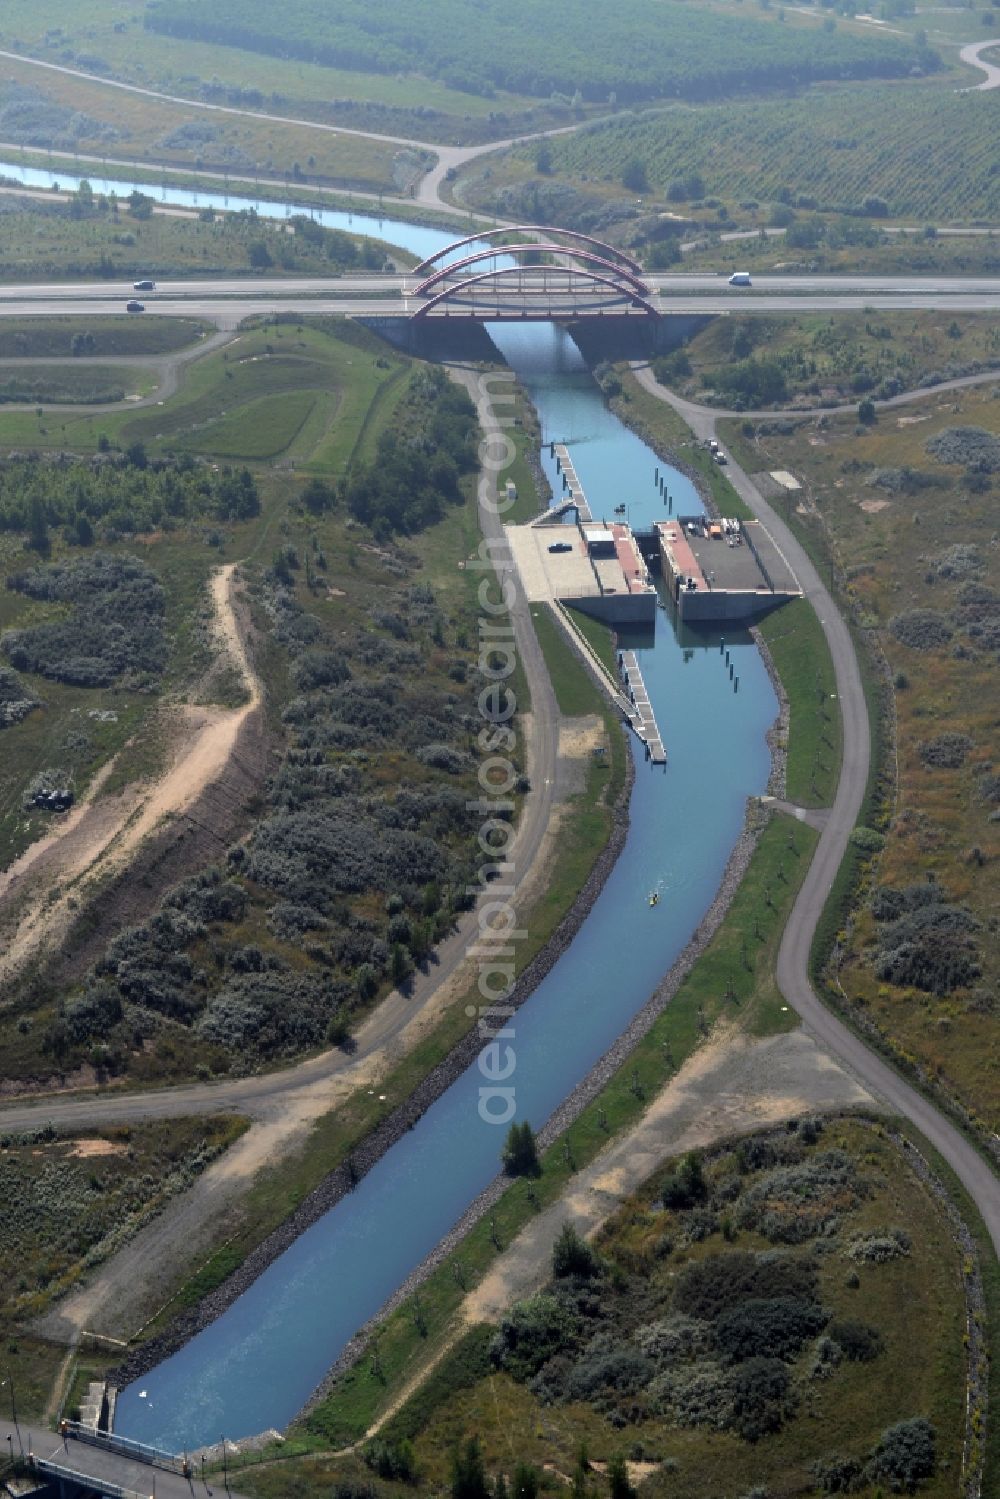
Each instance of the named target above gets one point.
<point>531,272</point>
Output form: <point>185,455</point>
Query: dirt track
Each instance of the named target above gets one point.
<point>105,837</point>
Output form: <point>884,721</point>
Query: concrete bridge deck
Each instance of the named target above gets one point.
<point>75,1468</point>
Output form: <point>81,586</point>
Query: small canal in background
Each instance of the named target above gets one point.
<point>254,1367</point>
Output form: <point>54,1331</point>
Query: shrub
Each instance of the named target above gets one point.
<point>945,752</point>
<point>573,1256</point>
<point>706,1288</point>
<point>774,1328</point>
<point>687,1185</point>
<point>794,1203</point>
<point>856,1340</point>
<point>675,1339</point>
<point>921,629</point>
<point>697,1396</point>
<point>391,1460</point>
<point>929,945</point>
<point>114,632</point>
<point>618,1367</point>
<point>905,1454</point>
<point>963,560</point>
<point>763,1398</point>
<point>974,447</point>
<point>531,1333</point>
<point>878,1248</point>
<point>16,700</point>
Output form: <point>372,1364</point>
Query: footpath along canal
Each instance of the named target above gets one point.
<point>255,1366</point>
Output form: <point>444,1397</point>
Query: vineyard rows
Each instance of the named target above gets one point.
<point>928,153</point>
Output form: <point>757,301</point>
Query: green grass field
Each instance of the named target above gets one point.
<point>52,337</point>
<point>89,384</point>
<point>275,390</point>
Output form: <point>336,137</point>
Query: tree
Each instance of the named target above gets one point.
<point>635,176</point>
<point>318,497</point>
<point>468,1477</point>
<point>84,531</point>
<point>543,158</point>
<point>687,1185</point>
<point>525,1482</point>
<point>139,206</point>
<point>618,1480</point>
<point>38,526</point>
<point>259,255</point>
<point>866,412</point>
<point>572,1255</point>
<point>520,1151</point>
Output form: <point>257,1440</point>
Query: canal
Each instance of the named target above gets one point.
<point>254,1367</point>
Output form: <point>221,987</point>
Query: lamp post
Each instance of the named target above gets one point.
<point>13,1411</point>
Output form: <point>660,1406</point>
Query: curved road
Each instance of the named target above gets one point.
<point>793,955</point>
<point>970,55</point>
<point>448,158</point>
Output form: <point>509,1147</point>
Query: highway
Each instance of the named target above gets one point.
<point>227,301</point>
<point>900,290</point>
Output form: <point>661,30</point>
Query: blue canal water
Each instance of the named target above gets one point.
<point>254,1367</point>
<point>417,238</point>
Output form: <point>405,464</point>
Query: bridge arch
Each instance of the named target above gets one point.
<point>589,258</point>
<point>622,290</point>
<point>587,241</point>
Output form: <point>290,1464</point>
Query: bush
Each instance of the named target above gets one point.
<point>114,631</point>
<point>775,1328</point>
<point>974,447</point>
<point>946,752</point>
<point>16,700</point>
<point>857,1341</point>
<point>707,1288</point>
<point>928,944</point>
<point>573,1256</point>
<point>878,1248</point>
<point>531,1333</point>
<point>921,629</point>
<point>687,1185</point>
<point>763,1398</point>
<point>905,1454</point>
<point>794,1203</point>
<point>619,1367</point>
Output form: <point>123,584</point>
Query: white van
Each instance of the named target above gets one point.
<point>740,278</point>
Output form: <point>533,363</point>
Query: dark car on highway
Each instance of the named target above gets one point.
<point>135,306</point>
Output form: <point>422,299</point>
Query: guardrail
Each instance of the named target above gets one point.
<point>85,1480</point>
<point>126,1447</point>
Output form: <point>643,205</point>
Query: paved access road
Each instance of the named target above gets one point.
<point>971,55</point>
<point>793,955</point>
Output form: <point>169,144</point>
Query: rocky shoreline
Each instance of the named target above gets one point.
<point>344,1177</point>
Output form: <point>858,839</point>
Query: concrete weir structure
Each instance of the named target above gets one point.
<point>723,569</point>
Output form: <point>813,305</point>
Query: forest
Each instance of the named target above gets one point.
<point>656,49</point>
